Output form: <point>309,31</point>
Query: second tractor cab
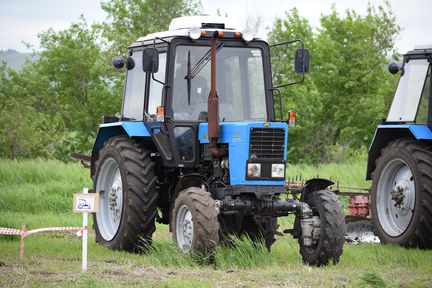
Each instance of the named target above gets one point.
<point>400,158</point>
<point>198,147</point>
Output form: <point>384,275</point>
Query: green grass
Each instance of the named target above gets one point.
<point>347,174</point>
<point>39,193</point>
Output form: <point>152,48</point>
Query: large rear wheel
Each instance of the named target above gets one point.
<point>401,195</point>
<point>126,182</point>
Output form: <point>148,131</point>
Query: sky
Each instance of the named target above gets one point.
<point>22,20</point>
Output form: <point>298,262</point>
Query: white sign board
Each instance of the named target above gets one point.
<point>86,202</point>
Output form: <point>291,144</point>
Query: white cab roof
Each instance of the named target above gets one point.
<point>180,26</point>
<point>198,21</point>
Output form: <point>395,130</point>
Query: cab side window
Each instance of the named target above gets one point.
<point>156,88</point>
<point>133,101</point>
<point>423,110</point>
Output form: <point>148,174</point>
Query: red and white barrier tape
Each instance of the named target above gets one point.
<point>11,231</point>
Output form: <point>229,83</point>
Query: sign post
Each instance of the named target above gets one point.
<point>85,203</point>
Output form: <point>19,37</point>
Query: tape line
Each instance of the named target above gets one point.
<point>11,231</point>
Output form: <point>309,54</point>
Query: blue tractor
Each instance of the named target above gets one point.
<point>400,158</point>
<point>199,148</point>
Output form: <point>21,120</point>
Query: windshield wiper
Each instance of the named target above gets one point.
<point>191,73</point>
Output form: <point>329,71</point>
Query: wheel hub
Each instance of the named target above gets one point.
<point>187,229</point>
<point>109,183</point>
<point>395,197</point>
<point>115,190</point>
<point>184,229</point>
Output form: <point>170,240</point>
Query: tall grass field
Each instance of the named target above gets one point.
<point>39,193</point>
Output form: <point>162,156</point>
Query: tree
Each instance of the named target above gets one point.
<point>26,129</point>
<point>60,98</point>
<point>347,90</point>
<point>130,19</point>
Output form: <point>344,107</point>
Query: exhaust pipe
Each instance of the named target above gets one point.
<point>213,102</point>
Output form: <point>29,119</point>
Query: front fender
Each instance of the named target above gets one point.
<point>314,185</point>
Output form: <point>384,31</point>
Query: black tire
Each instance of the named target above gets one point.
<point>139,208</point>
<point>204,214</point>
<point>418,157</point>
<point>329,208</point>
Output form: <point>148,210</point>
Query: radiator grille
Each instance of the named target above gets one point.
<point>267,143</point>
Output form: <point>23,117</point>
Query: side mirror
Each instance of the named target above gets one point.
<point>393,68</point>
<point>118,62</point>
<point>301,61</point>
<point>150,60</point>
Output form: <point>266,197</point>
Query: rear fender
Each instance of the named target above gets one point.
<point>384,134</point>
<point>109,130</point>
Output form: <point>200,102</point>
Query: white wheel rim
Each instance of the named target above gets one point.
<point>395,197</point>
<point>184,228</point>
<point>110,187</point>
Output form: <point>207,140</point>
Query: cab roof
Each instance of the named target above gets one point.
<point>180,27</point>
<point>420,51</point>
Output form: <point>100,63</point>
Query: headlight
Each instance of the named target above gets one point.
<point>278,171</point>
<point>194,33</point>
<point>254,170</point>
<point>247,35</point>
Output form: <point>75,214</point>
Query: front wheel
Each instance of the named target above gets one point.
<point>329,219</point>
<point>195,223</point>
<point>401,194</point>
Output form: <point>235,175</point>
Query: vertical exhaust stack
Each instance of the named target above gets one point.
<point>213,102</point>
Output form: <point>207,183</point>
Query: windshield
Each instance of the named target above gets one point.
<point>239,78</point>
<point>407,96</point>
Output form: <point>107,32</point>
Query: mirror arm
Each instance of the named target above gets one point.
<point>152,74</point>
<point>291,83</point>
<point>288,42</point>
<point>303,74</point>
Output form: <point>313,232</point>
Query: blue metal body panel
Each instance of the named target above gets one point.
<point>236,135</point>
<point>384,134</point>
<point>108,130</point>
<point>420,132</point>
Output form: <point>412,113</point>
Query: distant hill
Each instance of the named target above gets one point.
<point>16,59</point>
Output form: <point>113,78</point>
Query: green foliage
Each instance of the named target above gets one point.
<point>347,90</point>
<point>130,19</point>
<point>243,253</point>
<point>53,106</point>
<point>371,278</point>
<point>38,185</point>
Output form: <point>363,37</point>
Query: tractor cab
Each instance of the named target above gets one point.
<point>411,100</point>
<point>168,82</point>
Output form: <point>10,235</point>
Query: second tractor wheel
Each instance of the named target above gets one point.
<point>327,207</point>
<point>401,195</point>
<point>195,223</point>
